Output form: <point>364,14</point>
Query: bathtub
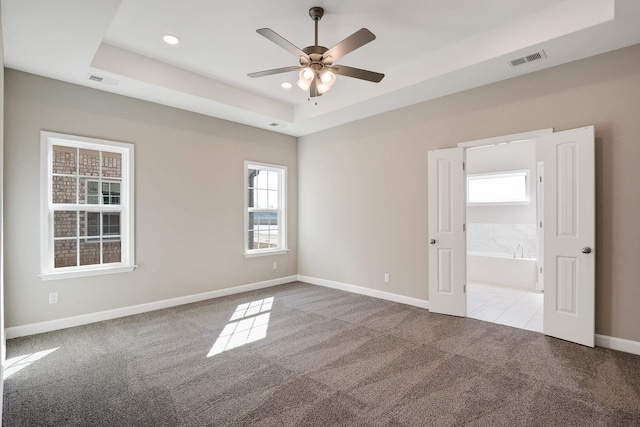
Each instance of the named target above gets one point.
<point>502,269</point>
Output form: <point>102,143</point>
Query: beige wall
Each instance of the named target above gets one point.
<point>363,186</point>
<point>189,199</point>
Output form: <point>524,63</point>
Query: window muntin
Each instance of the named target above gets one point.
<point>505,188</point>
<point>87,206</point>
<point>265,216</point>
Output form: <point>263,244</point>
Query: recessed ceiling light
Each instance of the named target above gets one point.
<point>286,85</point>
<point>170,39</point>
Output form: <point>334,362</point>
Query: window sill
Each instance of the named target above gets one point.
<point>85,273</point>
<point>265,253</point>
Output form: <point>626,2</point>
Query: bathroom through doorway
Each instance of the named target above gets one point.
<point>502,235</point>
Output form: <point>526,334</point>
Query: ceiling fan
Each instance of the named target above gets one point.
<point>317,71</point>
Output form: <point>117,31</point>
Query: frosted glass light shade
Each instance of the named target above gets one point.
<point>306,74</point>
<point>327,77</point>
<point>304,85</point>
<point>322,87</point>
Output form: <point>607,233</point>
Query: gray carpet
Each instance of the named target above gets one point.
<point>328,358</point>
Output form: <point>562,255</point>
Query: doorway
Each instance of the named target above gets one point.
<point>568,226</point>
<point>501,234</point>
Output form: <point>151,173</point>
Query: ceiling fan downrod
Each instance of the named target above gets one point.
<point>316,14</point>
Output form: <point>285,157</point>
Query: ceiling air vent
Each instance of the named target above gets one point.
<point>528,58</point>
<point>105,80</point>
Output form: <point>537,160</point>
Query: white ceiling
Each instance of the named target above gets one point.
<point>425,48</point>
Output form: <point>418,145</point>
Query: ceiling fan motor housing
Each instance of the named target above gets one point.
<point>316,56</point>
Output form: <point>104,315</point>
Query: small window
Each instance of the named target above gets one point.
<point>265,209</point>
<point>87,206</point>
<point>498,188</point>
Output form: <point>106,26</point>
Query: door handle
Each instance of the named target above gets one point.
<point>432,241</point>
<point>586,250</point>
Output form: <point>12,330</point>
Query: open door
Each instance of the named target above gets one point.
<point>569,235</point>
<point>447,248</point>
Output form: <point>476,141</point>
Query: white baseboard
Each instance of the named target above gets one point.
<point>365,291</point>
<point>68,322</point>
<point>618,344</point>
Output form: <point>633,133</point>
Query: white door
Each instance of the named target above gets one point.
<point>447,241</point>
<point>569,235</point>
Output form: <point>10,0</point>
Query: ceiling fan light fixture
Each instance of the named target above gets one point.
<point>327,77</point>
<point>303,84</point>
<point>322,87</point>
<point>306,78</point>
<point>316,72</point>
<point>324,81</point>
<point>306,74</point>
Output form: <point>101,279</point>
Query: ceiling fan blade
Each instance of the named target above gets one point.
<point>282,42</point>
<point>274,71</point>
<point>351,43</point>
<point>357,73</point>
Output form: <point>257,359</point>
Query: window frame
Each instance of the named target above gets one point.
<point>48,271</point>
<point>526,173</point>
<point>282,209</point>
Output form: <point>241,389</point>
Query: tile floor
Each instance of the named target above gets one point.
<point>505,305</point>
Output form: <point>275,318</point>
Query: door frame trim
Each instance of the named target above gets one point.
<point>522,136</point>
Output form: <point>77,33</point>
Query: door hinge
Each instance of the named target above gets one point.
<point>540,270</point>
<point>540,179</point>
<point>540,224</point>
<point>464,289</point>
<point>464,227</point>
<point>463,166</point>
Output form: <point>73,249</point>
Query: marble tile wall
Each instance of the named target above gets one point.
<point>502,238</point>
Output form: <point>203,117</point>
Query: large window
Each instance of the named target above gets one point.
<point>87,206</point>
<point>506,188</point>
<point>265,213</point>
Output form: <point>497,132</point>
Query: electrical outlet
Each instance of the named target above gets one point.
<point>53,298</point>
<point>387,279</point>
<point>275,265</point>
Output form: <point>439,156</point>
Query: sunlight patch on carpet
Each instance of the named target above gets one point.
<point>18,363</point>
<point>247,324</point>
